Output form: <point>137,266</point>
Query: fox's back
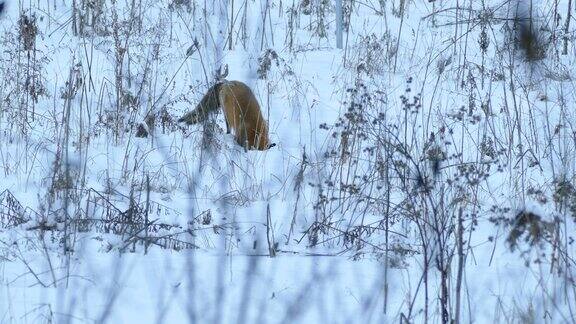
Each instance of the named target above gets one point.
<point>239,103</point>
<point>239,94</point>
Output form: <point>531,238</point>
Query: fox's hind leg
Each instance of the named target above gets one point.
<point>242,139</point>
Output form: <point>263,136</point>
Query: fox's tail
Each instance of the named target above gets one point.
<point>209,104</point>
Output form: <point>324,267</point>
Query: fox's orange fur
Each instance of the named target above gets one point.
<point>241,111</point>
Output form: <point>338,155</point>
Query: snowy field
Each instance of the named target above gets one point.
<point>422,173</point>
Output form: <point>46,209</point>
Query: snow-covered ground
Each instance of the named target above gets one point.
<point>407,163</point>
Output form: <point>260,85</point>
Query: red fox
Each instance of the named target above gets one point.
<point>241,112</point>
